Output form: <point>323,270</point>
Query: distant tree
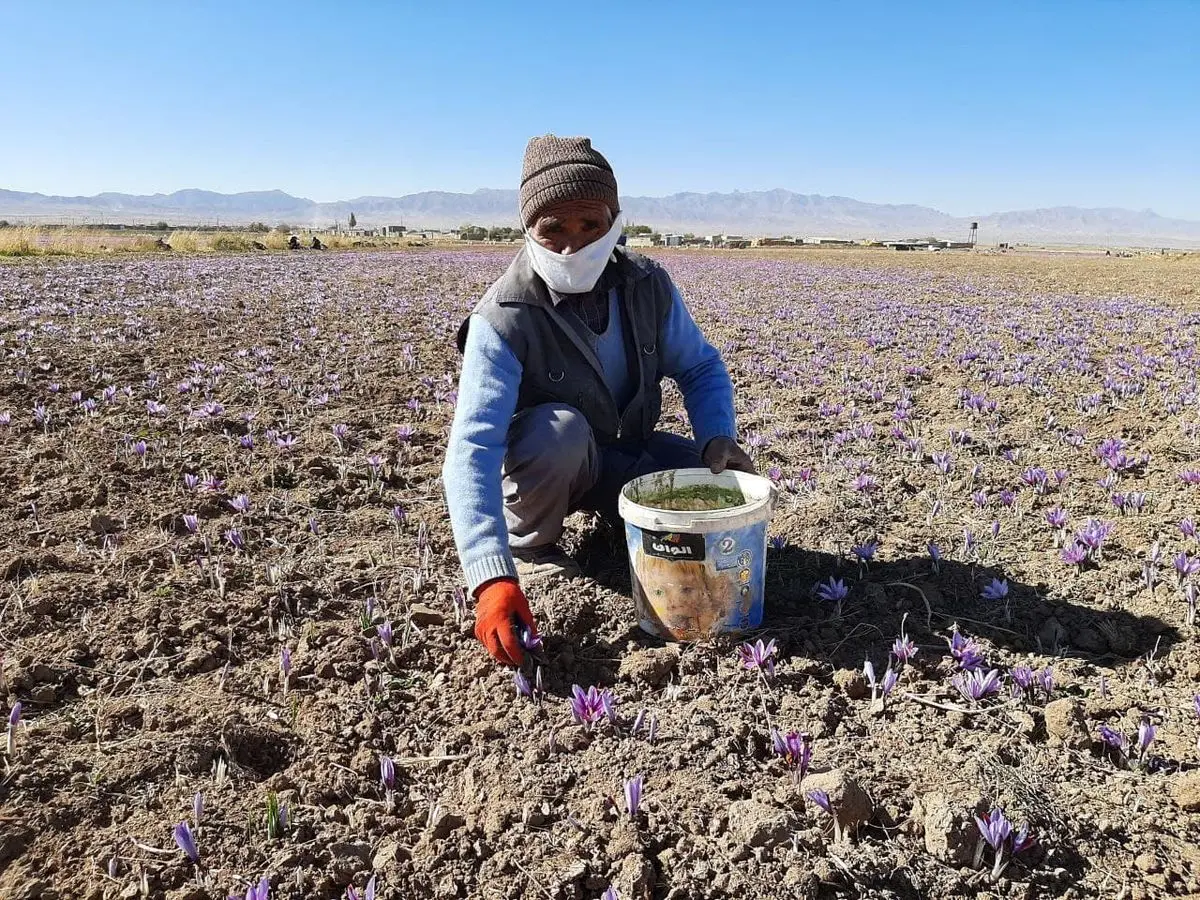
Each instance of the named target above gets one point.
<point>632,230</point>
<point>503,234</point>
<point>473,233</point>
<point>655,238</point>
<point>283,228</point>
<point>353,221</point>
<point>160,226</point>
<point>3,223</point>
<point>258,228</point>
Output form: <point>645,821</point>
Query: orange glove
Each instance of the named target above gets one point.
<point>501,609</point>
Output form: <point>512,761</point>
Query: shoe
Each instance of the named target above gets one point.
<point>542,563</point>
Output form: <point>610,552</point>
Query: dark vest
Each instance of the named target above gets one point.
<point>558,366</point>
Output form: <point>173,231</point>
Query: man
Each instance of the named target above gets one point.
<point>560,391</point>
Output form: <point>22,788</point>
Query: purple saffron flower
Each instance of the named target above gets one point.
<point>997,590</point>
<point>1187,528</point>
<point>994,828</point>
<point>1022,840</point>
<point>976,685</point>
<point>398,515</point>
<point>191,522</point>
<point>235,539</point>
<point>1057,517</point>
<point>834,590</point>
<point>14,721</point>
<point>211,484</point>
<point>198,807</point>
<point>1196,705</point>
<point>531,641</point>
<point>1190,476</point>
<point>386,634</point>
<point>1186,566</point>
<point>865,552</point>
<point>759,656</point>
<point>1074,555</point>
<point>965,652</point>
<point>903,648</point>
<point>367,894</point>
<point>590,706</point>
<point>610,894</point>
<point>1114,739</point>
<point>1022,677</point>
<point>1046,681</point>
<point>186,841</point>
<point>821,798</point>
<point>890,679</point>
<point>285,663</point>
<point>1146,735</point>
<point>935,555</point>
<point>240,504</point>
<point>260,891</point>
<point>387,772</point>
<point>522,684</point>
<point>633,795</point>
<point>190,481</point>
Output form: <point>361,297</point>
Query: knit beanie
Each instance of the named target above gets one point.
<point>564,168</point>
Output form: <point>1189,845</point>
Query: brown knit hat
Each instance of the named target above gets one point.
<point>566,168</point>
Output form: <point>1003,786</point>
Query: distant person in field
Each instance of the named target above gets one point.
<point>560,394</point>
<point>293,242</point>
<point>316,243</point>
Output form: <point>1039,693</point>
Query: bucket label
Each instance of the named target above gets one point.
<point>673,545</point>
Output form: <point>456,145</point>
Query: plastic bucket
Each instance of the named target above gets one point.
<point>697,573</point>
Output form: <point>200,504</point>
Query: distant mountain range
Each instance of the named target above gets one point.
<point>774,213</point>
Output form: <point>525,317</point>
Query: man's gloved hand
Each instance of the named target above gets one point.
<point>723,453</point>
<point>500,610</point>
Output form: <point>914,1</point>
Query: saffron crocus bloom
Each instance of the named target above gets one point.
<point>1074,555</point>
<point>834,590</point>
<point>759,656</point>
<point>522,684</point>
<point>198,807</point>
<point>796,749</point>
<point>994,828</point>
<point>1146,735</point>
<point>1046,681</point>
<point>904,649</point>
<point>821,798</point>
<point>1186,566</point>
<point>865,552</point>
<point>1022,840</point>
<point>590,706</point>
<point>186,841</point>
<point>1187,528</point>
<point>997,590</point>
<point>1057,517</point>
<point>1022,677</point>
<point>285,663</point>
<point>240,504</point>
<point>190,481</point>
<point>260,891</point>
<point>531,641</point>
<point>890,679</point>
<point>14,720</point>
<point>386,633</point>
<point>1114,739</point>
<point>367,894</point>
<point>935,555</point>
<point>965,652</point>
<point>387,772</point>
<point>633,795</point>
<point>191,522</point>
<point>235,539</point>
<point>610,894</point>
<point>976,685</point>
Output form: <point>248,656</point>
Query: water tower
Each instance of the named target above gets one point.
<point>974,233</point>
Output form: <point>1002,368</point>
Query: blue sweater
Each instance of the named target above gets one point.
<point>487,399</point>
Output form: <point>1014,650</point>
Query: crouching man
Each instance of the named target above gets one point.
<point>560,391</point>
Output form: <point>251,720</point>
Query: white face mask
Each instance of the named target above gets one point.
<point>573,273</point>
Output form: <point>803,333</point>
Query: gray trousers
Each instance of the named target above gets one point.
<point>554,467</point>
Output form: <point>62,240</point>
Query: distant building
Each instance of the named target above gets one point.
<point>672,240</point>
<point>639,240</point>
<point>393,230</point>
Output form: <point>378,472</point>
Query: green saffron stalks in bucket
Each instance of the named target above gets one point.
<point>694,497</point>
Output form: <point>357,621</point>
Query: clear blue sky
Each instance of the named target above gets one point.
<point>970,107</point>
